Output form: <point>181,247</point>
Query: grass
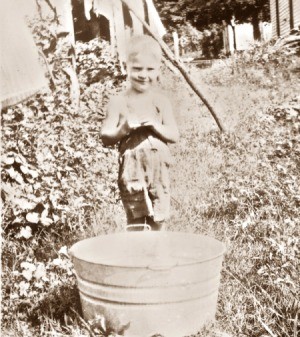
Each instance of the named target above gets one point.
<point>231,187</point>
<point>241,187</point>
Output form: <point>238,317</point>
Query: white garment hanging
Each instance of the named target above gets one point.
<point>154,19</point>
<point>121,40</point>
<point>88,6</point>
<point>21,74</point>
<point>105,8</point>
<point>119,34</point>
<point>138,7</point>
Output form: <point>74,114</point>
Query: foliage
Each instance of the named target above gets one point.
<point>204,13</point>
<point>207,43</point>
<point>263,65</point>
<point>262,210</point>
<point>95,64</point>
<point>51,157</point>
<point>200,23</point>
<point>210,16</point>
<point>190,38</point>
<point>243,187</point>
<point>47,157</point>
<point>212,42</point>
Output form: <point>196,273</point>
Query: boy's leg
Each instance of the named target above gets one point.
<point>133,191</point>
<point>159,193</point>
<point>156,225</point>
<point>161,207</point>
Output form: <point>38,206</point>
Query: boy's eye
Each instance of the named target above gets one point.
<point>150,69</point>
<point>137,68</point>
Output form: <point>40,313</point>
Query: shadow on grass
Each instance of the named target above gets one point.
<point>58,304</point>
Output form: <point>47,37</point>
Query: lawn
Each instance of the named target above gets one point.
<point>241,186</point>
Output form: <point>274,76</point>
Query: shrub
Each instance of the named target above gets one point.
<point>52,155</point>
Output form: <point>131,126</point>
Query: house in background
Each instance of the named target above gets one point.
<point>240,37</point>
<point>285,16</point>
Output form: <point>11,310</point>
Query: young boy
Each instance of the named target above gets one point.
<point>141,120</point>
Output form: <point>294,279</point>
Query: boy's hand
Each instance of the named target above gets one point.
<point>127,127</point>
<point>124,127</point>
<point>134,126</point>
<point>150,124</point>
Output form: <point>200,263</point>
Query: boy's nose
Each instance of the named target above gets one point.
<point>142,74</point>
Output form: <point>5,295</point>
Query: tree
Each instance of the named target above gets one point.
<point>202,13</point>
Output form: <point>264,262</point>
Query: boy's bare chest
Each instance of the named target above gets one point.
<point>142,110</point>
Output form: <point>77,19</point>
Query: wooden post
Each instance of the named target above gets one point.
<point>176,44</point>
<point>169,55</point>
<point>64,12</point>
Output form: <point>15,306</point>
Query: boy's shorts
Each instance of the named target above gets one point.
<point>144,184</point>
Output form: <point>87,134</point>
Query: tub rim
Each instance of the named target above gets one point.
<point>157,266</point>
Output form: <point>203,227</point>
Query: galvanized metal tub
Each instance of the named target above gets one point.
<point>146,283</point>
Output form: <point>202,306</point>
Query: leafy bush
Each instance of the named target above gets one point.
<point>207,43</point>
<point>264,62</point>
<point>212,42</point>
<point>52,156</point>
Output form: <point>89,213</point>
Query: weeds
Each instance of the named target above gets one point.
<point>243,188</point>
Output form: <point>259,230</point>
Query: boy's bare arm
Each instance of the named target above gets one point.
<point>168,130</point>
<point>115,127</point>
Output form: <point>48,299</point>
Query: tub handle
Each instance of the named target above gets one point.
<point>145,226</point>
<point>71,254</point>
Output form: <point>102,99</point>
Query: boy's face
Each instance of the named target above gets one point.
<point>143,70</point>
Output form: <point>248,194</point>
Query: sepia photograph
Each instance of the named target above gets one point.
<point>150,168</point>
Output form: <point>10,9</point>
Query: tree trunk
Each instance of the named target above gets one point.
<point>255,23</point>
<point>64,13</point>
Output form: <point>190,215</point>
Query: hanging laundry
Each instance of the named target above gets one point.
<point>64,11</point>
<point>138,7</point>
<point>120,33</point>
<point>105,8</point>
<point>88,6</point>
<point>154,19</point>
<point>21,74</point>
<point>121,39</point>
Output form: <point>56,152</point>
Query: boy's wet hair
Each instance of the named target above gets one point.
<point>141,44</point>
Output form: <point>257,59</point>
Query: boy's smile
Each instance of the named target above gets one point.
<point>143,70</point>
